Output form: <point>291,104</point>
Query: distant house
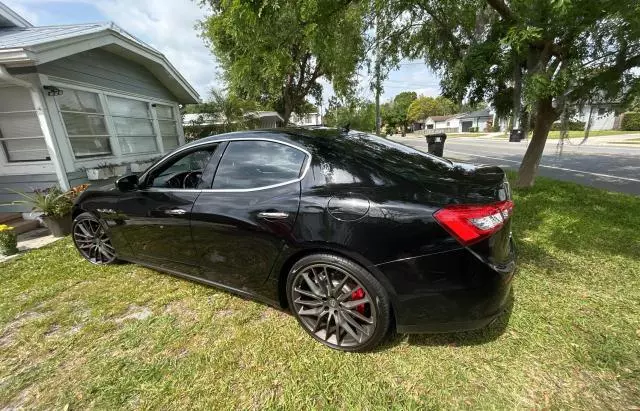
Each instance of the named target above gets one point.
<point>447,124</point>
<point>460,123</point>
<point>477,120</point>
<point>77,97</point>
<point>309,119</point>
<point>603,116</point>
<point>262,119</point>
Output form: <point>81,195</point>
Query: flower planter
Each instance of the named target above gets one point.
<point>140,167</point>
<point>119,170</point>
<point>8,243</point>
<point>104,173</point>
<point>99,173</point>
<point>59,226</point>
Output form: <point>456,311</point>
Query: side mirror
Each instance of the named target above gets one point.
<point>127,183</point>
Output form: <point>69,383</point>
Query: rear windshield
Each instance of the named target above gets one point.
<point>376,143</point>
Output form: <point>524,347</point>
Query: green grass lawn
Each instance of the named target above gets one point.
<point>592,133</point>
<point>128,337</point>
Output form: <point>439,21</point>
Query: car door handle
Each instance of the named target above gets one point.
<point>175,211</point>
<point>273,215</point>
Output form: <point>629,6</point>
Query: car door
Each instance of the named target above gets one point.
<point>155,219</point>
<point>241,225</point>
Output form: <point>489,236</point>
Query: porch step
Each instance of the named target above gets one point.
<point>16,221</point>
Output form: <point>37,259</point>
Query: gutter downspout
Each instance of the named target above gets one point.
<point>49,138</point>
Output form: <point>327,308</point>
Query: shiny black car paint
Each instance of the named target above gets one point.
<point>360,197</point>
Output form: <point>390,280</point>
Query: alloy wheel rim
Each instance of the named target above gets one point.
<point>333,305</point>
<point>93,242</point>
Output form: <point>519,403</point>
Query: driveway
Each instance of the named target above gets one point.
<point>597,163</point>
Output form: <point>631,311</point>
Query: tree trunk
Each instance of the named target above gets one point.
<point>545,117</point>
<point>517,95</point>
<point>286,115</point>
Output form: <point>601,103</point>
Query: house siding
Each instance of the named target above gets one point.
<point>108,70</point>
<point>26,183</point>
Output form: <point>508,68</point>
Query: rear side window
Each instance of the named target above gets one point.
<point>255,164</point>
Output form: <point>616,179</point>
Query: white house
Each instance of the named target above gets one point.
<point>476,119</point>
<point>460,123</point>
<point>76,97</point>
<point>443,123</point>
<point>602,116</point>
<point>309,119</point>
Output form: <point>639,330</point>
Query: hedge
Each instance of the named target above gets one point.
<point>631,121</point>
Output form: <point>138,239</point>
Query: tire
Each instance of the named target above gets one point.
<point>92,240</point>
<point>329,310</point>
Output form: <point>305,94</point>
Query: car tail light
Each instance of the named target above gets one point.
<point>471,223</point>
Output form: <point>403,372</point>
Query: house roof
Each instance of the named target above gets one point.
<point>441,118</point>
<point>22,45</point>
<point>9,18</point>
<point>485,112</point>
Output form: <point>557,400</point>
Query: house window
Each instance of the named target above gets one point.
<point>20,131</point>
<point>448,123</point>
<point>84,121</point>
<point>168,126</point>
<point>133,125</point>
<point>602,111</point>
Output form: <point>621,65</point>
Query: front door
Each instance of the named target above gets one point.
<point>155,219</point>
<point>241,225</point>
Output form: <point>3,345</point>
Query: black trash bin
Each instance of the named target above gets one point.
<point>436,143</point>
<point>516,135</point>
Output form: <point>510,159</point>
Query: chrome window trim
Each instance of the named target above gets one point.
<point>306,167</point>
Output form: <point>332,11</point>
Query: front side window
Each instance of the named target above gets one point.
<point>20,131</point>
<point>168,126</point>
<point>185,171</point>
<point>133,125</point>
<point>254,164</point>
<point>84,121</point>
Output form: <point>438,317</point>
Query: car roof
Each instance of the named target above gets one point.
<point>302,137</point>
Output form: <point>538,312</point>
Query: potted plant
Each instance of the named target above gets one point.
<point>55,206</point>
<point>8,240</point>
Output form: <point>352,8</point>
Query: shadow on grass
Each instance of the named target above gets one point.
<point>467,338</point>
<point>577,219</point>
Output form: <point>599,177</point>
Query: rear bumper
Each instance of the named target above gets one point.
<point>447,292</point>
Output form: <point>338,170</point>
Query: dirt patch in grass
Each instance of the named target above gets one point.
<point>135,313</point>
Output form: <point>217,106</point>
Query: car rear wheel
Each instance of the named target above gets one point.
<point>92,241</point>
<point>338,302</point>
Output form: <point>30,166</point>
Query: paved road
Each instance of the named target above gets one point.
<point>615,168</point>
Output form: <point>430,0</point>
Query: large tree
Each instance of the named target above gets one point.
<point>395,114</point>
<point>424,107</point>
<point>549,54</point>
<point>277,51</point>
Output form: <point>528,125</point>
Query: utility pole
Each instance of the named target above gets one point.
<point>378,85</point>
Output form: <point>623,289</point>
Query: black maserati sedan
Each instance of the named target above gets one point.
<point>353,233</point>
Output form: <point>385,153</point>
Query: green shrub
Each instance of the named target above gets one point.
<point>473,129</point>
<point>631,121</point>
<point>573,126</point>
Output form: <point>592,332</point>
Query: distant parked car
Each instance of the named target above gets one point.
<point>353,233</point>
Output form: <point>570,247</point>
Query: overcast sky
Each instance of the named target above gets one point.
<point>168,25</point>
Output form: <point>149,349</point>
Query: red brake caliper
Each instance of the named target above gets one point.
<point>357,295</point>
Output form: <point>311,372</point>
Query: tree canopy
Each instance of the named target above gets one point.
<point>531,56</point>
<point>275,52</point>
<point>424,107</point>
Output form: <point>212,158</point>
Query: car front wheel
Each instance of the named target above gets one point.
<point>92,240</point>
<point>338,302</point>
